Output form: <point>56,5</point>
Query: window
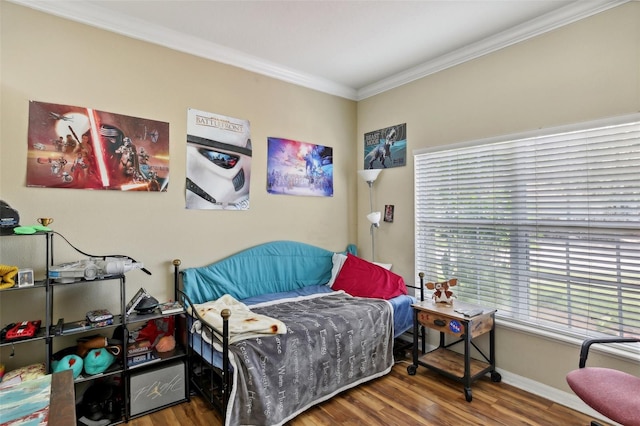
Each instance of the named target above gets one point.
<point>545,227</point>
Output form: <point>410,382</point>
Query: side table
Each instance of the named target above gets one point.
<point>448,319</point>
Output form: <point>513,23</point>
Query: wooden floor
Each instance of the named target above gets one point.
<point>399,399</point>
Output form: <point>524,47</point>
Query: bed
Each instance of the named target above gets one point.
<point>282,326</point>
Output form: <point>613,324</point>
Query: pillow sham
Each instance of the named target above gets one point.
<point>338,260</point>
<point>23,374</point>
<point>361,278</point>
<point>386,266</point>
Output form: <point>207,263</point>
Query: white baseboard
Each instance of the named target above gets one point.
<point>560,397</point>
<point>551,393</point>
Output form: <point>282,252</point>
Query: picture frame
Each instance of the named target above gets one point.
<point>25,278</point>
<point>388,213</point>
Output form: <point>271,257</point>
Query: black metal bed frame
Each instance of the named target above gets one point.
<point>213,383</point>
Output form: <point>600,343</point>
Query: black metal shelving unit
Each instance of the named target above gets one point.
<point>54,328</point>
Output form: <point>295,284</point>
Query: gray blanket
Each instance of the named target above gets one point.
<point>334,342</point>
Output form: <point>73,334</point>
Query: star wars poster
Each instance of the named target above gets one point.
<point>218,162</point>
<point>299,168</point>
<point>386,147</point>
<point>83,148</point>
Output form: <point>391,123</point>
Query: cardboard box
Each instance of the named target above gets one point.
<point>155,388</point>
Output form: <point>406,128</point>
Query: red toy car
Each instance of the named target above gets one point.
<point>23,330</point>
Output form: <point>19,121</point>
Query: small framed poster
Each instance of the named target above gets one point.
<point>384,148</point>
<point>25,277</point>
<point>388,213</point>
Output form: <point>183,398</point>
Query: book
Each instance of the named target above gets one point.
<point>140,346</point>
<point>99,315</point>
<point>74,326</point>
<point>141,359</point>
<point>104,323</point>
<point>469,312</point>
<point>170,307</point>
<point>137,298</point>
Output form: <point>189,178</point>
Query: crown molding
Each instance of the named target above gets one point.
<point>98,17</point>
<point>128,26</point>
<point>571,13</point>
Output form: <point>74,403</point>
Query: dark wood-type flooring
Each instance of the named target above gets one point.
<point>399,399</point>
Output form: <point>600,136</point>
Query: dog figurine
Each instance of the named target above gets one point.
<point>442,293</point>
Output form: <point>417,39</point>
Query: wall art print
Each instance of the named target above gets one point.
<point>218,162</point>
<point>386,147</point>
<point>388,212</point>
<point>299,168</point>
<point>83,148</point>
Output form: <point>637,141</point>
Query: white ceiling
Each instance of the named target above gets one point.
<point>352,49</point>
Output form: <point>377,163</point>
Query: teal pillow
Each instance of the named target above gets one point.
<point>273,267</point>
<point>98,360</point>
<point>69,362</point>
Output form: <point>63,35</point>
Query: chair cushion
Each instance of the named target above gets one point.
<point>610,392</point>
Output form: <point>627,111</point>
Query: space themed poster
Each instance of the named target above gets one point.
<point>83,148</point>
<point>299,168</point>
<point>386,147</point>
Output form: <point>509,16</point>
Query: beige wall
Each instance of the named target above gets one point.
<point>587,70</point>
<point>49,59</point>
<point>584,71</point>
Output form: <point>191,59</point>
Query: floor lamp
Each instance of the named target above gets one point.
<point>370,176</point>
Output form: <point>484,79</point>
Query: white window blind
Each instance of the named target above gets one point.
<point>546,228</point>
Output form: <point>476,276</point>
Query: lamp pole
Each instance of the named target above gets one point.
<point>370,176</point>
<point>373,237</point>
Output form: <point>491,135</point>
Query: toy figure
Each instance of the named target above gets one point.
<point>442,294</point>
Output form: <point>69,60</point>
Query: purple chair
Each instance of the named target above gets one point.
<point>610,392</point>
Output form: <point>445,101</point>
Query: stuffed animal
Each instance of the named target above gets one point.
<point>154,330</point>
<point>68,362</point>
<point>7,275</point>
<point>442,293</point>
<point>166,344</point>
<point>98,360</point>
<point>93,355</point>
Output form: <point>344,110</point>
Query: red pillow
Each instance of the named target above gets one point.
<point>364,279</point>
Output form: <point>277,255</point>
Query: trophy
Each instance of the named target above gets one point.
<point>45,221</point>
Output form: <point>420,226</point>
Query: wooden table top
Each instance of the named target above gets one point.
<point>62,408</point>
<point>449,310</point>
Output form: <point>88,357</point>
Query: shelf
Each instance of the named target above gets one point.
<point>79,280</point>
<point>37,233</point>
<point>162,357</point>
<point>136,317</point>
<point>36,284</point>
<point>453,363</point>
<point>115,369</point>
<point>59,328</point>
<point>41,334</point>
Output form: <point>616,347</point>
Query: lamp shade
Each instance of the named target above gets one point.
<point>369,175</point>
<point>374,218</point>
